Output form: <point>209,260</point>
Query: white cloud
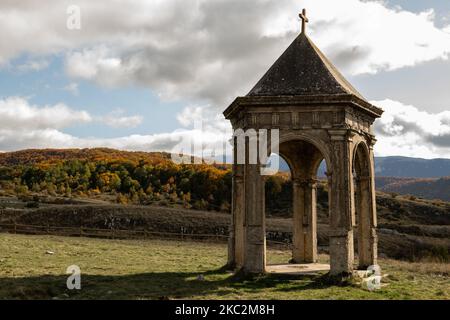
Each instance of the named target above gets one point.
<point>32,65</point>
<point>17,114</point>
<point>407,131</point>
<point>403,129</point>
<point>72,88</point>
<point>53,138</point>
<point>213,50</point>
<point>207,53</point>
<point>23,125</point>
<point>117,119</point>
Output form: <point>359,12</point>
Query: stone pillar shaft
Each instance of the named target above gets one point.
<point>365,208</point>
<point>341,205</point>
<point>236,241</point>
<point>368,221</point>
<point>255,237</point>
<point>304,221</point>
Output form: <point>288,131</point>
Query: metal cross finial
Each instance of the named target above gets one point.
<point>305,20</point>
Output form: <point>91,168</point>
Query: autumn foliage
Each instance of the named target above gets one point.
<point>130,177</point>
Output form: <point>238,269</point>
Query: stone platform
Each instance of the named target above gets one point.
<point>298,269</point>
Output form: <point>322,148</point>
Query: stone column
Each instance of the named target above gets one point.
<point>237,235</point>
<point>367,245</point>
<point>239,215</point>
<point>255,240</point>
<point>341,204</point>
<point>236,239</point>
<point>304,221</point>
<point>255,234</point>
<point>365,239</point>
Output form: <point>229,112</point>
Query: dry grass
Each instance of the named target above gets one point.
<point>425,267</point>
<point>130,269</point>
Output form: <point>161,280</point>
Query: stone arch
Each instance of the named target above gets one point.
<point>364,203</point>
<point>312,139</point>
<point>361,157</point>
<point>304,154</point>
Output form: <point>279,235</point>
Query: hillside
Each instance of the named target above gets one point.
<point>126,190</point>
<point>52,156</point>
<point>429,179</point>
<point>429,188</point>
<point>401,167</point>
<point>405,167</point>
<point>138,175</point>
<point>123,177</point>
<point>407,230</point>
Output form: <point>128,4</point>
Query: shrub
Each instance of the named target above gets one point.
<point>121,199</point>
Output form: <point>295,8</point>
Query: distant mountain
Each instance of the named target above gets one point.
<point>423,178</point>
<point>411,167</point>
<point>401,167</point>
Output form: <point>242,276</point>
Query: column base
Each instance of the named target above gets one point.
<point>341,252</point>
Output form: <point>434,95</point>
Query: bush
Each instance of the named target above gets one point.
<point>200,204</point>
<point>121,199</point>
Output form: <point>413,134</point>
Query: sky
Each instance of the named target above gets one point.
<point>139,74</point>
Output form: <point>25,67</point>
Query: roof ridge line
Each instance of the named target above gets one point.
<point>335,73</point>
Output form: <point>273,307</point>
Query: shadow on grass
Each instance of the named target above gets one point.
<point>162,285</point>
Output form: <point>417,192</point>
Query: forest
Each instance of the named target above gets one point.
<point>128,177</point>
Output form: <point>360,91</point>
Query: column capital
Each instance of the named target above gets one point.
<point>338,134</point>
<point>372,141</point>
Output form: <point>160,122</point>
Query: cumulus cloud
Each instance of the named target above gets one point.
<point>406,130</point>
<point>117,119</point>
<point>209,141</point>
<point>207,53</point>
<point>32,65</point>
<point>53,138</point>
<point>24,125</point>
<point>72,88</point>
<point>16,114</point>
<point>213,50</point>
<point>403,129</point>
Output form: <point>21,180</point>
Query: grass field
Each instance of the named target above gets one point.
<point>33,267</point>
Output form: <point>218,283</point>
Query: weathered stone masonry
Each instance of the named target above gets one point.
<point>319,116</point>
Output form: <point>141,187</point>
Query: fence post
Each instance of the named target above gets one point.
<point>81,228</point>
<point>15,226</point>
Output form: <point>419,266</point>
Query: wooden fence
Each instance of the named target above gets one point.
<point>82,231</point>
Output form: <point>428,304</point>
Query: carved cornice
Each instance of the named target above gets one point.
<point>323,100</point>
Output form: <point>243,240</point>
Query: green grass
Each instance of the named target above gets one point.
<point>154,269</point>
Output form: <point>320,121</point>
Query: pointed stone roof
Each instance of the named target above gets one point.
<point>303,70</point>
<point>303,76</point>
